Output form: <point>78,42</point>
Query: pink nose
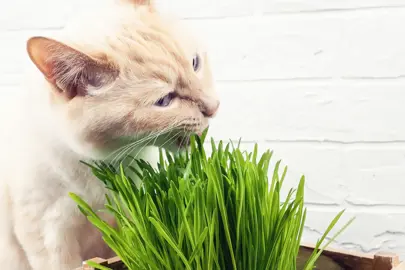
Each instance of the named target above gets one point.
<point>211,109</point>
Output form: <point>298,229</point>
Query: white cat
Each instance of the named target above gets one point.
<point>122,75</point>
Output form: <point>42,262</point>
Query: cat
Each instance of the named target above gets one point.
<point>121,78</point>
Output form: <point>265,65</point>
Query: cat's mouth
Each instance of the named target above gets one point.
<point>183,141</point>
<point>175,142</point>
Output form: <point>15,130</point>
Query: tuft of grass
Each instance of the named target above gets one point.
<point>203,211</point>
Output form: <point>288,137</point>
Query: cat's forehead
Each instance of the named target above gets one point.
<point>130,32</point>
<point>113,18</point>
<point>142,43</point>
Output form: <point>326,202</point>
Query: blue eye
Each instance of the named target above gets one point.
<point>196,62</point>
<point>165,101</point>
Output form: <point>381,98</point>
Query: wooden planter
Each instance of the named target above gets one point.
<point>333,259</point>
<point>330,260</point>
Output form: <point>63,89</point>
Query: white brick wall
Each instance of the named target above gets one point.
<point>320,82</point>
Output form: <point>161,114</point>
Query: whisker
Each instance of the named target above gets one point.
<point>119,154</point>
<point>130,147</point>
<point>166,130</point>
<point>134,145</point>
<point>179,132</point>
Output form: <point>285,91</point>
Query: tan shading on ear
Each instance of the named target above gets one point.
<point>69,70</point>
<point>141,2</point>
<point>149,3</point>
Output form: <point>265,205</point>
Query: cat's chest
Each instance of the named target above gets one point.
<point>89,188</point>
<point>91,243</point>
<point>93,192</point>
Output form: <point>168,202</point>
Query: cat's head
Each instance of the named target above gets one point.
<point>133,75</point>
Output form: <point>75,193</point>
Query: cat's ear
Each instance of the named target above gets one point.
<point>70,71</point>
<point>149,3</point>
<point>141,2</point>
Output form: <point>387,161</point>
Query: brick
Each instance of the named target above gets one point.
<point>321,45</point>
<point>346,111</point>
<point>369,233</point>
<point>275,6</point>
<point>16,15</point>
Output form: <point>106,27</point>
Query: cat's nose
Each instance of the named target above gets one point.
<point>211,109</point>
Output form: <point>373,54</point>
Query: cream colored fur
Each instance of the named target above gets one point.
<point>92,93</point>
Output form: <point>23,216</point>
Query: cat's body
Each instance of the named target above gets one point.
<point>91,93</point>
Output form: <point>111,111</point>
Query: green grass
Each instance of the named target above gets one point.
<point>200,211</point>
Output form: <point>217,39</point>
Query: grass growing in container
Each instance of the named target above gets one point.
<point>200,211</point>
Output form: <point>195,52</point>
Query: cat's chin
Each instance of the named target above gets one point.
<point>182,142</point>
<point>176,145</point>
<point>173,142</point>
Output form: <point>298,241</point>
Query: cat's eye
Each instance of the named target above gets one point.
<point>165,101</point>
<point>196,62</point>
